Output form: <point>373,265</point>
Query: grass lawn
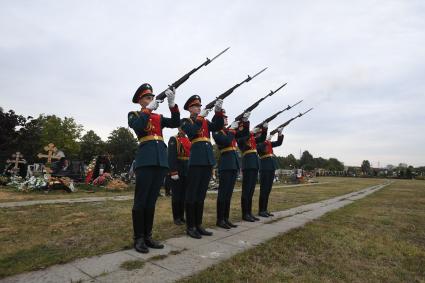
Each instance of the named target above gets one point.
<point>380,238</point>
<point>38,236</point>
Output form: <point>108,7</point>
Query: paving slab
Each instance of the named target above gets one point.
<point>186,263</point>
<point>149,273</point>
<point>57,273</point>
<point>185,242</point>
<point>153,252</point>
<point>216,251</point>
<point>95,266</point>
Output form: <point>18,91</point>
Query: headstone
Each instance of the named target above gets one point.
<point>18,158</point>
<point>51,154</point>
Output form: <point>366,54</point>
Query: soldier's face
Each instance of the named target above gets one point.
<point>145,100</point>
<point>195,109</point>
<point>226,121</point>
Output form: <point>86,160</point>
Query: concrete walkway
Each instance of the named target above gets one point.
<point>115,198</point>
<point>184,256</point>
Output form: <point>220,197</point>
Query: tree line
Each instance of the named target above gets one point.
<point>29,135</point>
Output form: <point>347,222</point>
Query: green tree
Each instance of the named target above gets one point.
<point>307,161</point>
<point>334,164</point>
<point>10,122</point>
<point>122,145</point>
<point>366,167</point>
<point>292,161</point>
<point>30,139</point>
<point>90,145</point>
<point>320,162</point>
<point>64,133</point>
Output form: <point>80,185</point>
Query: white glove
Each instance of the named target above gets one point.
<point>204,113</point>
<point>171,94</point>
<point>279,131</point>
<point>245,116</point>
<point>218,105</point>
<point>265,125</point>
<point>256,130</point>
<point>175,177</point>
<point>269,137</point>
<point>234,125</point>
<point>153,105</point>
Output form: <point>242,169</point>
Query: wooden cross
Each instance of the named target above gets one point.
<point>17,160</point>
<point>51,149</point>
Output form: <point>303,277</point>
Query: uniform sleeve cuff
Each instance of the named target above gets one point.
<point>175,109</point>
<point>200,118</point>
<point>147,111</point>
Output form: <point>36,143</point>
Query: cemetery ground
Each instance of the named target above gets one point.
<point>10,194</point>
<point>380,238</point>
<point>38,236</point>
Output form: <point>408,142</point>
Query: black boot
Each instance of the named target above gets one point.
<point>266,205</point>
<point>249,205</point>
<point>245,214</point>
<point>190,222</point>
<point>220,215</point>
<point>226,215</point>
<point>199,212</point>
<point>138,228</point>
<point>176,213</point>
<point>181,211</point>
<point>261,207</point>
<point>151,243</point>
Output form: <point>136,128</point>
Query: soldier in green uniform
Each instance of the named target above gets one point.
<point>268,166</point>
<point>250,165</point>
<point>201,161</point>
<point>228,168</point>
<point>151,161</point>
<point>178,160</point>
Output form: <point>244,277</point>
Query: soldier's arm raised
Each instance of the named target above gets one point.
<point>278,142</point>
<point>217,122</point>
<point>174,121</point>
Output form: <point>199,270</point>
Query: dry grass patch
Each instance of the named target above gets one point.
<point>132,264</point>
<point>10,194</point>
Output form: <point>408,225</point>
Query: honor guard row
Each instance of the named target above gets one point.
<point>190,161</point>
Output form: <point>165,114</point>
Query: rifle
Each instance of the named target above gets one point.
<point>253,106</point>
<point>276,114</point>
<point>289,121</point>
<point>176,84</point>
<point>230,90</point>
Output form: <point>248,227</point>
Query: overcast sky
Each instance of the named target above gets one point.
<point>360,64</point>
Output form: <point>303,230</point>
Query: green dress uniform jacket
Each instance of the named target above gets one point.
<point>226,143</point>
<point>249,152</point>
<point>201,152</point>
<point>151,151</point>
<point>267,160</point>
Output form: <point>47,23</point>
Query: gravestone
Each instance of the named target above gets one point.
<point>16,161</point>
<point>51,154</point>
